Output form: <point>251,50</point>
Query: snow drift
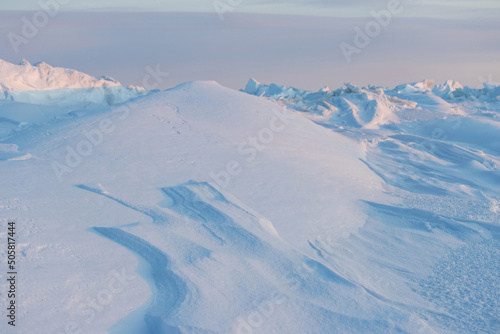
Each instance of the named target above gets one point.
<point>201,209</point>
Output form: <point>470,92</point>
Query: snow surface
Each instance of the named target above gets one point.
<point>278,210</point>
<point>38,94</point>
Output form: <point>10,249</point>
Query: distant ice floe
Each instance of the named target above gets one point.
<point>39,94</point>
<point>372,107</point>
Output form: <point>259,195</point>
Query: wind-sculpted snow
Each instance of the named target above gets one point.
<point>360,210</point>
<point>465,283</point>
<point>233,231</point>
<point>455,293</point>
<point>219,225</point>
<point>157,216</point>
<point>437,150</point>
<point>202,204</point>
<point>169,290</point>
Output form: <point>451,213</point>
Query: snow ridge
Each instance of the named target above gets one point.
<point>39,94</point>
<point>41,76</point>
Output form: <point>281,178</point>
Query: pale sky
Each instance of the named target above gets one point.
<point>429,39</point>
<point>329,8</point>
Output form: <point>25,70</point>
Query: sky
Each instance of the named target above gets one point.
<point>453,40</point>
<point>329,8</point>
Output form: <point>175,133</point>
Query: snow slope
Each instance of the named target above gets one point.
<point>201,209</point>
<point>436,147</point>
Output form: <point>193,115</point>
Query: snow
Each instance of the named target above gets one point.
<point>201,209</point>
<point>37,94</point>
<point>42,84</point>
<point>41,76</point>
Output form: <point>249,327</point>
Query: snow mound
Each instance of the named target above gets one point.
<point>359,210</point>
<point>264,178</point>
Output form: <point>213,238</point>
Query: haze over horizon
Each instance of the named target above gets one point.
<point>437,40</point>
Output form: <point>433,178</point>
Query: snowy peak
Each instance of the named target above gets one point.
<point>41,76</point>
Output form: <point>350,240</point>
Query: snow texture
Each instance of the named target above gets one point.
<point>271,210</point>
